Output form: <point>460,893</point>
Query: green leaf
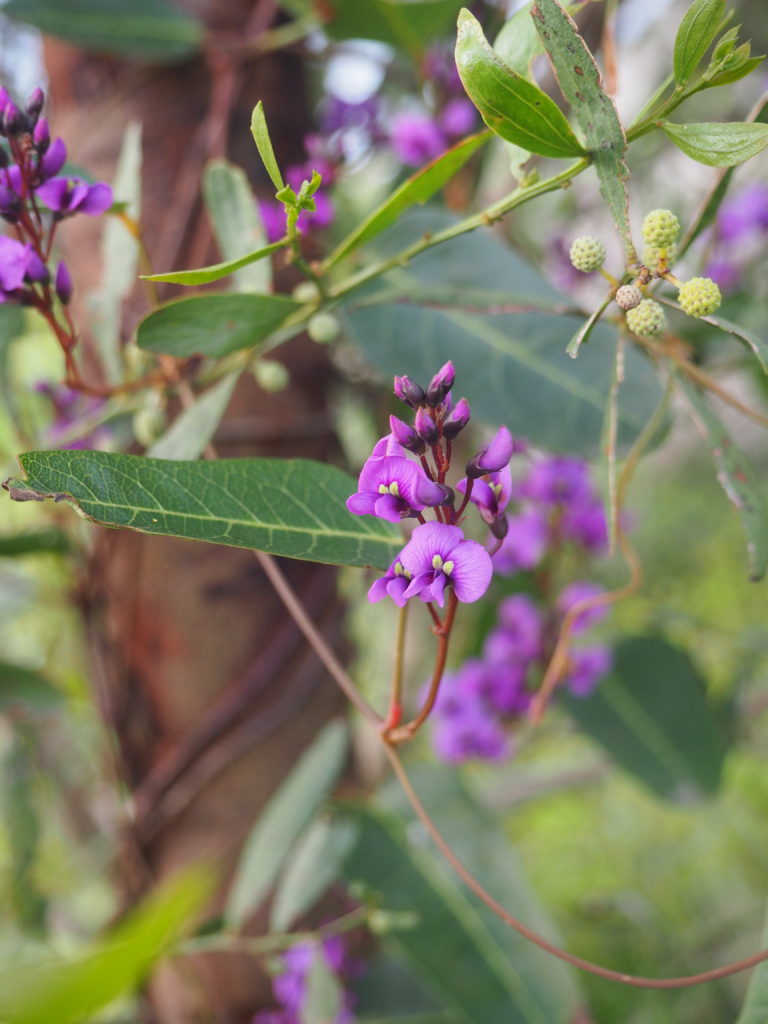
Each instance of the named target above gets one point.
<point>214,272</point>
<point>512,107</point>
<point>735,476</point>
<point>34,542</point>
<point>290,507</point>
<point>152,30</point>
<point>420,187</point>
<point>236,223</point>
<point>22,828</point>
<point>212,325</point>
<point>191,431</point>
<point>511,366</point>
<point>283,819</point>
<point>76,988</point>
<point>755,1008</point>
<point>718,143</point>
<point>324,993</point>
<point>518,42</point>
<point>263,142</point>
<point>312,867</point>
<point>651,714</point>
<point>583,333</point>
<point>758,346</point>
<point>594,110</point>
<point>406,25</point>
<point>24,688</point>
<point>695,35</point>
<point>735,74</point>
<point>469,967</point>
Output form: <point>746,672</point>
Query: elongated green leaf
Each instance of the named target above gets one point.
<point>75,989</point>
<point>755,1008</point>
<point>214,272</point>
<point>583,333</point>
<point>695,35</point>
<point>419,188</point>
<point>407,25</point>
<point>736,477</point>
<point>236,223</point>
<point>289,507</point>
<point>324,995</point>
<point>152,30</point>
<point>518,42</point>
<point>263,142</point>
<point>652,716</point>
<point>281,822</point>
<point>758,346</point>
<point>512,106</point>
<point>212,325</point>
<point>594,110</point>
<point>311,869</point>
<point>34,542</point>
<point>190,432</point>
<point>716,143</point>
<point>25,688</point>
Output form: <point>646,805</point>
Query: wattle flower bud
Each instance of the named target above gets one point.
<point>35,103</point>
<point>426,427</point>
<point>409,391</point>
<point>406,436</point>
<point>64,286</point>
<point>441,384</point>
<point>456,419</point>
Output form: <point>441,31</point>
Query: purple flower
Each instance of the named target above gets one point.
<point>506,689</point>
<point>457,419</point>
<point>426,427</point>
<point>391,486</point>
<point>579,591</point>
<point>441,384</point>
<point>339,115</point>
<point>409,392</point>
<point>14,258</point>
<point>393,584</point>
<point>588,666</point>
<point>440,67</point>
<point>493,457</point>
<point>416,138</point>
<point>272,218</point>
<point>525,543</point>
<point>457,118</point>
<point>73,195</point>
<point>518,637</point>
<point>63,283</point>
<point>725,272</point>
<point>468,730</point>
<point>490,493</point>
<point>744,213</point>
<point>557,481</point>
<point>53,159</point>
<point>584,524</point>
<point>438,556</point>
<point>405,435</point>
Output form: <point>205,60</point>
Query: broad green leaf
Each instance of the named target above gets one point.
<point>191,431</point>
<point>518,42</point>
<point>152,30</point>
<point>695,35</point>
<point>34,542</point>
<point>512,106</point>
<point>407,25</point>
<point>324,994</point>
<point>120,253</point>
<point>290,507</point>
<point>282,821</point>
<point>755,1008</point>
<point>419,188</point>
<point>212,325</point>
<point>758,346</point>
<point>652,715</point>
<point>452,949</point>
<point>74,989</point>
<point>24,688</point>
<point>594,110</point>
<point>718,143</point>
<point>236,223</point>
<point>311,869</point>
<point>512,367</point>
<point>263,142</point>
<point>214,272</point>
<point>735,476</point>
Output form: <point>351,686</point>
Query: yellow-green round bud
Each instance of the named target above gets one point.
<point>587,254</point>
<point>271,375</point>
<point>699,297</point>
<point>628,296</point>
<point>646,319</point>
<point>661,228</point>
<point>323,328</point>
<point>652,254</point>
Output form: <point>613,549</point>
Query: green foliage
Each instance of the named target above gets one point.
<point>653,717</point>
<point>695,35</point>
<point>260,134</point>
<point>512,106</point>
<point>290,507</point>
<point>205,275</point>
<point>755,1008</point>
<point>718,144</point>
<point>34,542</point>
<point>23,688</point>
<point>405,25</point>
<point>519,43</point>
<point>236,223</point>
<point>152,30</point>
<point>282,821</point>
<point>191,431</point>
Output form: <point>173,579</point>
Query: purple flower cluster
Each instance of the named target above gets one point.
<point>30,184</point>
<point>405,476</point>
<point>69,408</point>
<point>740,231</point>
<point>290,986</point>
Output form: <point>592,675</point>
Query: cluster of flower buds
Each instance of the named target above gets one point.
<point>34,197</point>
<point>405,477</point>
<point>550,504</point>
<point>644,316</point>
<point>290,987</point>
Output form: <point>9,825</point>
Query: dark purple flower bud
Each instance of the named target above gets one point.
<point>53,160</point>
<point>409,391</point>
<point>406,436</point>
<point>35,103</point>
<point>456,419</point>
<point>64,286</point>
<point>37,272</point>
<point>426,427</point>
<point>493,458</point>
<point>14,121</point>
<point>441,384</point>
<point>10,204</point>
<point>41,136</point>
<point>4,157</point>
<point>499,527</point>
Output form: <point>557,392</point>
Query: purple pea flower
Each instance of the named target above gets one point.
<point>490,493</point>
<point>578,591</point>
<point>391,486</point>
<point>525,543</point>
<point>457,419</point>
<point>416,138</point>
<point>405,435</point>
<point>558,481</point>
<point>441,384</point>
<point>457,118</point>
<point>464,726</point>
<point>493,457</point>
<point>584,523</point>
<point>14,259</point>
<point>393,583</point>
<point>744,213</point>
<point>588,666</point>
<point>519,635</point>
<point>63,283</point>
<point>438,556</point>
<point>272,216</point>
<point>66,196</point>
<point>409,392</point>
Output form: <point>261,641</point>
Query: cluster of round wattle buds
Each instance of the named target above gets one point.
<point>644,316</point>
<point>405,477</point>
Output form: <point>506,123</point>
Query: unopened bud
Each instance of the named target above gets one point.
<point>35,103</point>
<point>441,384</point>
<point>499,527</point>
<point>10,204</point>
<point>13,120</point>
<point>456,419</point>
<point>64,286</point>
<point>409,391</point>
<point>493,458</point>
<point>53,160</point>
<point>406,436</point>
<point>37,271</point>
<point>271,375</point>
<point>426,427</point>
<point>41,136</point>
<point>323,328</point>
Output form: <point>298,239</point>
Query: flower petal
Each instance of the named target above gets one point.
<point>472,570</point>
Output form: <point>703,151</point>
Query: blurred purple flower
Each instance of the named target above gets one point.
<point>457,118</point>
<point>66,196</point>
<point>338,115</point>
<point>69,408</point>
<point>468,730</point>
<point>558,480</point>
<point>725,272</point>
<point>272,216</point>
<point>588,666</point>
<point>584,523</point>
<point>518,636</point>
<point>490,493</point>
<point>577,591</point>
<point>744,213</point>
<point>525,543</point>
<point>416,138</point>
<point>14,258</point>
<point>440,68</point>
